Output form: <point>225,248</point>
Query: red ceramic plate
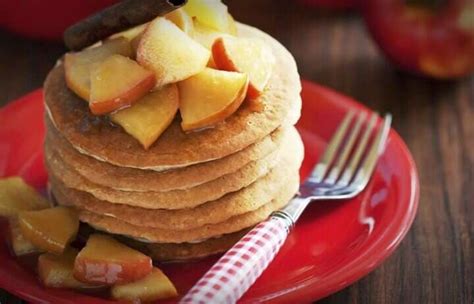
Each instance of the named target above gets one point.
<point>333,245</point>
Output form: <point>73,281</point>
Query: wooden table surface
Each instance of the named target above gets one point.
<point>435,262</point>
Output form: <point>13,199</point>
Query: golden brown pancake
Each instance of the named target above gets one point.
<point>128,179</point>
<point>173,199</point>
<point>186,251</point>
<point>243,201</point>
<point>236,223</point>
<point>259,175</point>
<point>97,137</point>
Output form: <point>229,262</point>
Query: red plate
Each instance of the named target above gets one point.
<point>333,245</point>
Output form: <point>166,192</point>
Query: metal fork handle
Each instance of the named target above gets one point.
<point>240,267</point>
<point>292,212</point>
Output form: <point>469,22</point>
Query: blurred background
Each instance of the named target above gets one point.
<point>411,58</point>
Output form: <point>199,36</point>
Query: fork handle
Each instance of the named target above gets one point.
<point>240,267</point>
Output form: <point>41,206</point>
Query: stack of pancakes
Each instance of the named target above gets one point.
<point>191,194</point>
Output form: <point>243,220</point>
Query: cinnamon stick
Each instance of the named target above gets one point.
<point>119,17</point>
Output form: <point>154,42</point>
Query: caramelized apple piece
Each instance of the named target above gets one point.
<point>205,35</point>
<point>133,35</point>
<point>50,229</point>
<point>56,270</point>
<point>210,97</point>
<point>19,244</point>
<point>78,66</point>
<point>106,261</point>
<point>155,286</point>
<point>150,116</point>
<point>212,13</point>
<point>118,82</point>
<point>170,53</point>
<point>250,56</point>
<point>17,196</point>
<point>182,20</point>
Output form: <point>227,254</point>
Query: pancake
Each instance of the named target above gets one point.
<point>170,199</point>
<point>236,223</point>
<point>289,157</point>
<point>186,251</point>
<point>97,137</point>
<point>127,179</point>
<point>237,203</point>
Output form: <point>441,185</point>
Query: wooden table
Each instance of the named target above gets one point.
<point>435,262</point>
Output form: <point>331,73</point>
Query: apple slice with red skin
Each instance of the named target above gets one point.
<point>147,119</point>
<point>249,56</point>
<point>50,229</point>
<point>118,82</point>
<point>78,66</point>
<point>106,261</point>
<point>206,36</point>
<point>56,270</point>
<point>434,40</point>
<point>155,286</point>
<point>210,97</point>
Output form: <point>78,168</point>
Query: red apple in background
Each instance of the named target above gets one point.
<point>46,19</point>
<point>428,37</point>
<point>333,4</point>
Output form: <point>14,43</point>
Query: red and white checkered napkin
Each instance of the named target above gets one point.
<point>238,269</point>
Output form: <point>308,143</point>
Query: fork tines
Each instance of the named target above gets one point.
<point>352,153</point>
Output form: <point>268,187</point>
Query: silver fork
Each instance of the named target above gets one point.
<point>343,172</point>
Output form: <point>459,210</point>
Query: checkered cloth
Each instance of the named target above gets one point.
<point>238,269</point>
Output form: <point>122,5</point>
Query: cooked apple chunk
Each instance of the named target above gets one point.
<point>210,97</point>
<point>56,270</point>
<point>182,20</point>
<point>250,56</point>
<point>212,13</point>
<point>118,82</point>
<point>150,116</point>
<point>133,35</point>
<point>170,53</point>
<point>155,286</point>
<point>78,66</point>
<point>19,244</point>
<point>205,35</point>
<point>106,261</point>
<point>17,196</point>
<point>50,229</point>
